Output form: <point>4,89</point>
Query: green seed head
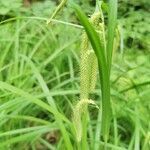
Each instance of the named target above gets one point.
<point>88,73</point>
<point>79,109</point>
<point>89,64</point>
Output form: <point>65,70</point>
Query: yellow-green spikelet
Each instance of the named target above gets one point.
<point>88,73</point>
<point>89,64</point>
<point>84,68</point>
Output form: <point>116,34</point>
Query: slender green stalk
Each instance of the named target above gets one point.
<point>84,128</point>
<point>57,10</point>
<point>98,130</point>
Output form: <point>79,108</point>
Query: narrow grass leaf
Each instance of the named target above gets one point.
<point>112,22</point>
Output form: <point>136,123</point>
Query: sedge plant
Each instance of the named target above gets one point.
<point>96,54</point>
<point>104,58</point>
<point>30,89</point>
<point>88,78</point>
<point>99,54</point>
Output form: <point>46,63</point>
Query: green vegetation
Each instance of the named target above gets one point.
<point>75,83</point>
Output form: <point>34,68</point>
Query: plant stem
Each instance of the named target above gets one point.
<point>84,128</point>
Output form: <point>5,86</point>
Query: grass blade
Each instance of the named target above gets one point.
<point>112,21</point>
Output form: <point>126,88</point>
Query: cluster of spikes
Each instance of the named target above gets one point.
<point>88,65</point>
<point>88,72</point>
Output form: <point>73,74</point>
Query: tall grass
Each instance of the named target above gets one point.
<point>23,64</point>
<point>40,87</point>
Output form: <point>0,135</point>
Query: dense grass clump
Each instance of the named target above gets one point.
<point>72,83</point>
